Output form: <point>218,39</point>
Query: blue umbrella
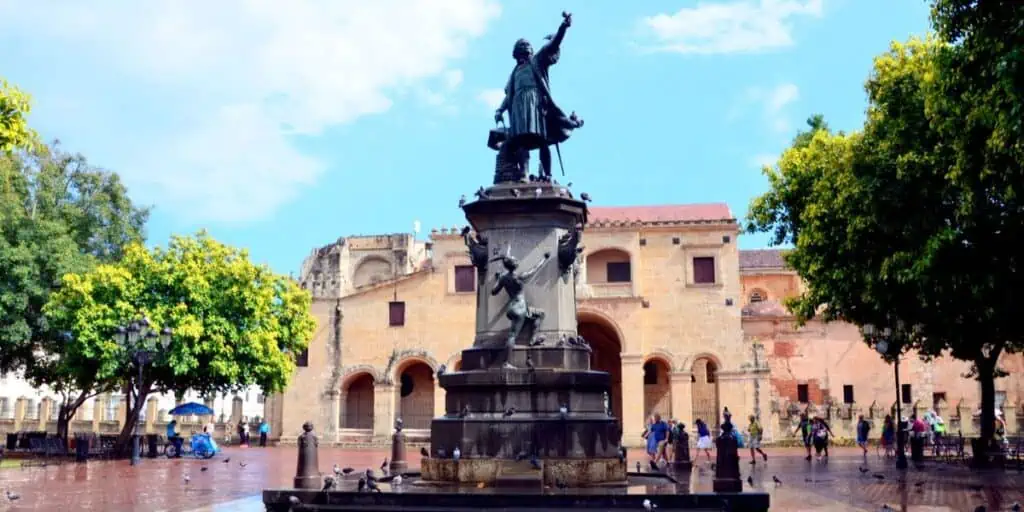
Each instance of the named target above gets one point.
<point>195,408</point>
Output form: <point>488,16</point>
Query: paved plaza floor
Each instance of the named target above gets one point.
<point>159,484</point>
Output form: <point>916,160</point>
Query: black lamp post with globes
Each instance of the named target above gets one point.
<point>889,350</point>
<point>142,343</point>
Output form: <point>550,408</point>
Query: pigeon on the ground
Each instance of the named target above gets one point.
<point>397,480</point>
<point>863,469</point>
<point>649,506</point>
<point>424,452</point>
<point>510,411</point>
<point>537,192</point>
<point>242,464</point>
<point>337,469</point>
<point>563,411</point>
<point>362,485</point>
<point>12,496</point>
<point>227,460</point>
<point>204,468</point>
<point>776,480</point>
<point>457,453</point>
<point>622,454</point>
<point>750,481</point>
<point>347,471</point>
<point>384,466</point>
<point>328,483</point>
<point>187,479</point>
<point>369,474</point>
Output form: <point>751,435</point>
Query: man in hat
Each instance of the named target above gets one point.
<point>534,120</point>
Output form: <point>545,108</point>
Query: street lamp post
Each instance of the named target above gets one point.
<point>884,346</point>
<point>140,341</point>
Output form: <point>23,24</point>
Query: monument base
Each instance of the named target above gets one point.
<point>309,482</point>
<point>511,473</point>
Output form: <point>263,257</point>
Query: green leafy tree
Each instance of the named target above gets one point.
<point>14,108</point>
<point>235,324</point>
<point>58,214</point>
<point>902,224</point>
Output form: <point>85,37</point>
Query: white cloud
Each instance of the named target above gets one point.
<point>740,26</point>
<point>231,81</point>
<point>763,159</point>
<point>491,97</point>
<point>773,103</point>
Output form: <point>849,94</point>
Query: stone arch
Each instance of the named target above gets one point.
<point>664,355</point>
<point>657,388</point>
<point>687,364</point>
<point>349,372</point>
<point>414,389</point>
<point>357,400</point>
<point>607,346</point>
<point>704,370</point>
<point>600,262</point>
<point>371,269</point>
<point>406,358</point>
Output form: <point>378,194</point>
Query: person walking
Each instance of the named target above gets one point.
<point>756,433</point>
<point>264,431</point>
<point>703,438</point>
<point>659,430</point>
<point>245,432</point>
<point>821,434</point>
<point>804,430</point>
<point>863,428</point>
<point>888,436</point>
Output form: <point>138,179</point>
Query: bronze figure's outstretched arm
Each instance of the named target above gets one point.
<point>556,41</point>
<point>498,285</point>
<point>529,273</point>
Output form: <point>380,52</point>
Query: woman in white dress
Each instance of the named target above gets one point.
<point>703,438</point>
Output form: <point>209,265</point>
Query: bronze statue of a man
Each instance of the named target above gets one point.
<point>519,312</point>
<point>534,120</point>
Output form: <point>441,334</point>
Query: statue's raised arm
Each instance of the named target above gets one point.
<point>529,273</point>
<point>548,54</point>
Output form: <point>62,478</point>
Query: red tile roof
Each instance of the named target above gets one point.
<point>762,258</point>
<point>662,213</point>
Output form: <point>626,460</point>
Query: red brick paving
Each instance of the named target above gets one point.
<point>157,484</point>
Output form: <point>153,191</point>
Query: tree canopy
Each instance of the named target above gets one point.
<point>913,220</point>
<point>235,324</point>
<point>14,108</point>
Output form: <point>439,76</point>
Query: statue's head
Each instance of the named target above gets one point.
<point>522,50</point>
<point>307,426</point>
<point>510,263</point>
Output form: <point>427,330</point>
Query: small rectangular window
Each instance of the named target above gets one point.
<point>618,272</point>
<point>396,314</point>
<point>847,393</point>
<point>802,393</point>
<point>906,394</point>
<point>302,359</point>
<point>465,278</point>
<point>704,270</point>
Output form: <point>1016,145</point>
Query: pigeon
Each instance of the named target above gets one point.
<point>372,485</point>
<point>538,340</point>
<point>585,197</point>
<point>863,469</point>
<point>537,192</point>
<point>563,411</point>
<point>529,363</point>
<point>482,194</point>
<point>441,453</point>
<point>750,481</point>
<point>384,466</point>
<point>465,411</point>
<point>12,496</point>
<point>776,480</point>
<point>227,460</point>
<point>1015,507</point>
<point>347,471</point>
<point>622,454</point>
<point>457,453</point>
<point>649,506</point>
<point>242,464</point>
<point>568,185</point>
<point>879,476</point>
<point>424,452</point>
<point>637,466</point>
<point>515,192</point>
<point>510,411</point>
<point>563,340</point>
<point>369,474</point>
<point>294,501</point>
<point>204,468</point>
<point>442,369</point>
<point>187,479</point>
<point>337,469</point>
<point>397,480</point>
<point>328,483</point>
<point>918,484</point>
<point>462,201</point>
<point>362,485</point>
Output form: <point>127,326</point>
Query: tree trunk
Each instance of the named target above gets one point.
<point>124,439</point>
<point>67,412</point>
<point>986,379</point>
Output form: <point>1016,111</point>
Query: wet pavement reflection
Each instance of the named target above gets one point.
<point>159,484</point>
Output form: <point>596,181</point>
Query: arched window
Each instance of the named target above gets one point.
<point>407,384</point>
<point>758,296</point>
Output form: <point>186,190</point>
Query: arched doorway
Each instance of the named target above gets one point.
<point>657,391</point>
<point>606,355</point>
<point>415,395</point>
<point>705,391</point>
<point>357,412</point>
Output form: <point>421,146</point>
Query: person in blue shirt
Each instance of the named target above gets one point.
<point>174,438</point>
<point>264,430</point>
<point>703,438</point>
<point>659,431</point>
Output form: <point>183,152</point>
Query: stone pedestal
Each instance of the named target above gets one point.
<point>307,472</point>
<point>727,464</point>
<point>541,398</point>
<point>398,462</point>
<point>681,459</point>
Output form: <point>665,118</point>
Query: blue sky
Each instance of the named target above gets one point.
<point>280,130</point>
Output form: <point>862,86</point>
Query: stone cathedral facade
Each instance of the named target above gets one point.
<point>685,322</point>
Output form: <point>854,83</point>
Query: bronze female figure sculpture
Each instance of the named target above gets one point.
<point>519,312</point>
<point>534,120</point>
